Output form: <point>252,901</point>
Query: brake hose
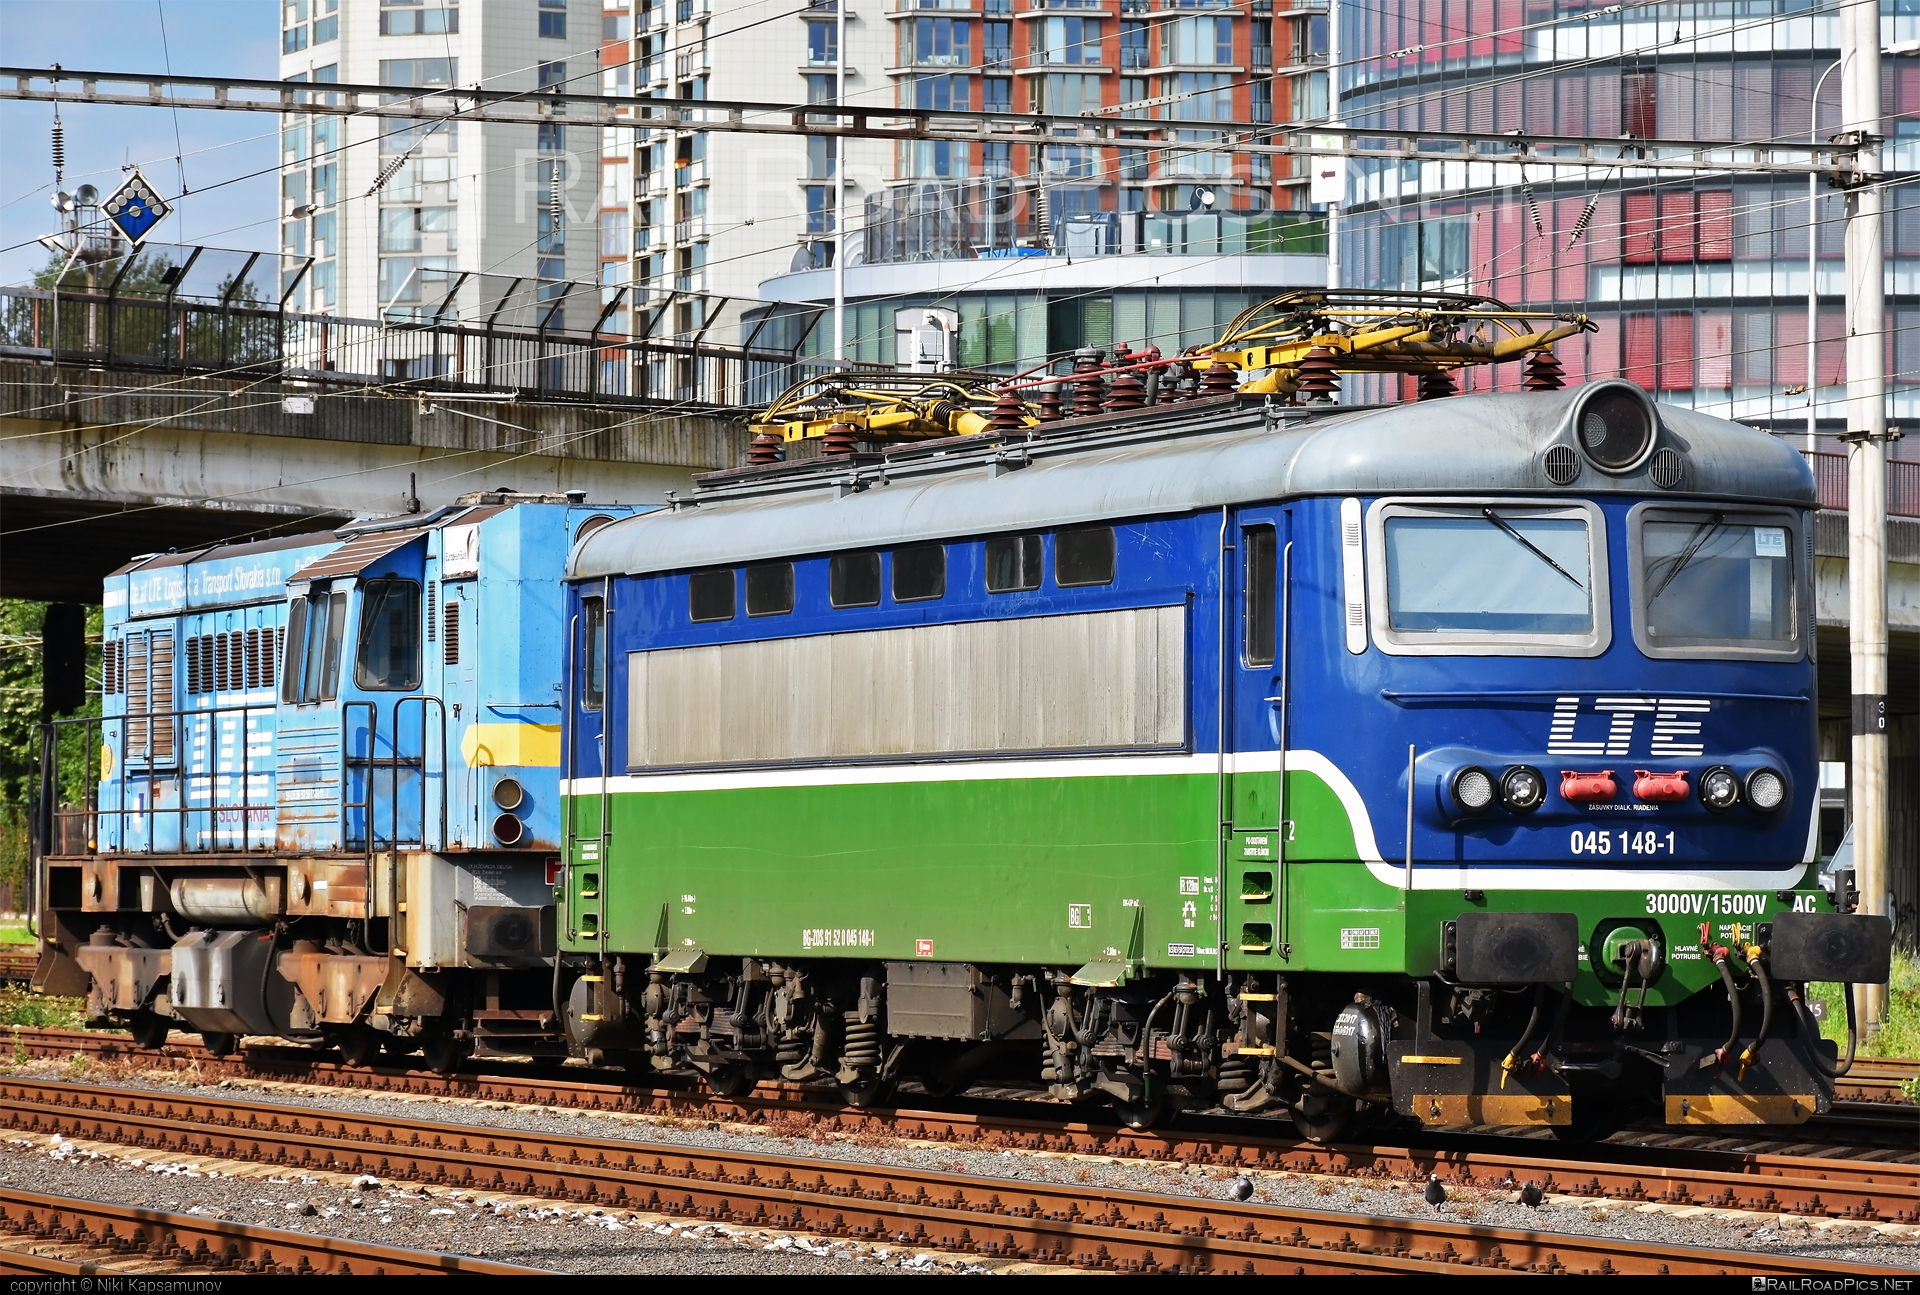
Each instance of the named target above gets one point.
<point>1759,968</point>
<point>1810,1033</point>
<point>1512,1061</point>
<point>1718,1057</point>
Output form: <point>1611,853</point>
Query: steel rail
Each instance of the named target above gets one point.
<point>1088,1227</point>
<point>61,1235</point>
<point>1797,1181</point>
<point>18,966</point>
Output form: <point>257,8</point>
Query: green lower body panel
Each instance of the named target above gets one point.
<point>957,864</point>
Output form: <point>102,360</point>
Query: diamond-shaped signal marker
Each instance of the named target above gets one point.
<point>135,208</point>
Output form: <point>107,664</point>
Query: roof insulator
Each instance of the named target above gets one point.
<point>1319,377</point>
<point>1125,390</point>
<point>1544,372</point>
<point>1221,378</point>
<point>1437,386</point>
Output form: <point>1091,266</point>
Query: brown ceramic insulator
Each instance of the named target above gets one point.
<point>840,439</point>
<point>766,448</point>
<point>1437,386</point>
<point>1220,379</point>
<point>1544,372</point>
<point>1319,377</point>
<point>1126,389</point>
<point>1009,412</point>
<point>1049,402</point>
<point>1173,382</point>
<point>1088,390</point>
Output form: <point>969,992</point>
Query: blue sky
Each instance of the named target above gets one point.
<point>204,38</point>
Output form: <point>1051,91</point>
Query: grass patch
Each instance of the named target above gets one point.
<point>15,931</point>
<point>1900,1035</point>
<point>20,1006</point>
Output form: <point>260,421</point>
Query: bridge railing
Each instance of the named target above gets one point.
<point>1830,481</point>
<point>199,337</point>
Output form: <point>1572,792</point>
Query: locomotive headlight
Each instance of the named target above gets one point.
<point>1523,788</point>
<point>1719,789</point>
<point>1766,790</point>
<point>1615,429</point>
<point>1473,789</point>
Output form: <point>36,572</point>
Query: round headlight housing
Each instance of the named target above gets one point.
<point>1473,789</point>
<point>1615,429</point>
<point>1523,788</point>
<point>508,793</point>
<point>1766,790</point>
<point>1719,789</point>
<point>508,830</point>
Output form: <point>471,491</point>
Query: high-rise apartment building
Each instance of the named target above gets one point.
<point>717,214</point>
<point>409,220</point>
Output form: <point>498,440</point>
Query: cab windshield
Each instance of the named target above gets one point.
<point>1714,581</point>
<point>1482,571</point>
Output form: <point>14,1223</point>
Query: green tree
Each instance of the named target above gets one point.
<point>21,621</point>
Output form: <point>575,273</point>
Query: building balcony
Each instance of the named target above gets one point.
<point>694,64</point>
<point>693,230</point>
<point>693,282</point>
<point>690,173</point>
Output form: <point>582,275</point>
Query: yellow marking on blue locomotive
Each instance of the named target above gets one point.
<point>523,745</point>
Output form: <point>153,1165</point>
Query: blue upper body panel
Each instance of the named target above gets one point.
<point>404,671</point>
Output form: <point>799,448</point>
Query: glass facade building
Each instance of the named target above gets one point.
<point>1698,285</point>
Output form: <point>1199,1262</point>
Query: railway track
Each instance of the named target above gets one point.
<point>1059,1223</point>
<point>63,1236</point>
<point>1868,1184</point>
<point>18,966</point>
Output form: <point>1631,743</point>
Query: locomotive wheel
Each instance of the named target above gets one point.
<point>729,1081</point>
<point>1321,1118</point>
<point>445,1053</point>
<point>149,1029</point>
<point>220,1045</point>
<point>358,1045</point>
<point>867,1092</point>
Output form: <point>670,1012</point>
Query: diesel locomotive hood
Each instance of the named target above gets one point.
<point>1183,459</point>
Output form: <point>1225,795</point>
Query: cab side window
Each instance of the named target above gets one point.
<point>388,654</point>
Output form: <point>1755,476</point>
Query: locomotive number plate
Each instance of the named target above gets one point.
<point>1627,841</point>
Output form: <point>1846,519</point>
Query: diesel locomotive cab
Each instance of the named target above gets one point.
<point>1451,762</point>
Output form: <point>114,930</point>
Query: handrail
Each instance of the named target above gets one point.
<point>111,736</point>
<point>347,761</point>
<point>396,763</point>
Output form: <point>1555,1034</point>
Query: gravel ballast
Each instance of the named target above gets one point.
<point>529,1231</point>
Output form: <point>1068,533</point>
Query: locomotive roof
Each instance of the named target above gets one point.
<point>151,561</point>
<point>1155,463</point>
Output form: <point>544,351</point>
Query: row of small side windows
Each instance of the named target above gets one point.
<point>1081,558</point>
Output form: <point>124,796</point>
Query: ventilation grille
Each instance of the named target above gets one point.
<point>1562,464</point>
<point>433,587</point>
<point>450,636</point>
<point>110,669</point>
<point>1667,470</point>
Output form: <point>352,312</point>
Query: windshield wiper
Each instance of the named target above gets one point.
<point>1531,547</point>
<point>1701,534</point>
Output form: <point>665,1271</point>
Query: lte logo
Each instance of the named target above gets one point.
<point>1673,726</point>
